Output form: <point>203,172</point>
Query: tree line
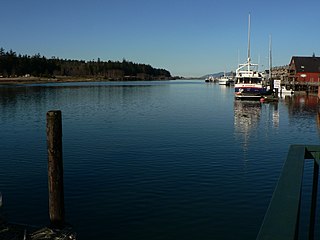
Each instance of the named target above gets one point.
<point>17,65</point>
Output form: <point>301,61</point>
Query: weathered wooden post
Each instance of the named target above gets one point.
<point>55,168</point>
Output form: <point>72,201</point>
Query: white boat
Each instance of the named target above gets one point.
<point>223,80</point>
<point>283,91</point>
<point>249,81</point>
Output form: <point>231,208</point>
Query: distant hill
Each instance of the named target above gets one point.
<point>17,65</point>
<point>217,75</point>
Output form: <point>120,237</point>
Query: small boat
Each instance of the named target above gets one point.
<point>283,91</point>
<point>210,79</point>
<point>223,80</point>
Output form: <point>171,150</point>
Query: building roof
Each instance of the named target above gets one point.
<point>306,64</point>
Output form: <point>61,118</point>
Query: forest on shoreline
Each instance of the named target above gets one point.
<point>13,65</point>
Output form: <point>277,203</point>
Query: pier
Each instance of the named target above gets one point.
<point>58,229</point>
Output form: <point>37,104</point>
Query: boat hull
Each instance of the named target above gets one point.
<point>285,92</point>
<point>222,82</point>
<point>254,92</point>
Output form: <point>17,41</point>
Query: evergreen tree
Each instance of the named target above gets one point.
<point>12,65</point>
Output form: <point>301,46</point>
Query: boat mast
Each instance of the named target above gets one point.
<point>270,63</point>
<point>249,43</point>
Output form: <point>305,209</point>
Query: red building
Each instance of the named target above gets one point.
<point>304,72</point>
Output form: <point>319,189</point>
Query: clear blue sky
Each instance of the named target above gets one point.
<point>186,37</point>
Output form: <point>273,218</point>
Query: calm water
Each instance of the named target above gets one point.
<point>150,160</point>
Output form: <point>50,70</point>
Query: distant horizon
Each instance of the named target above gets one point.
<point>187,38</point>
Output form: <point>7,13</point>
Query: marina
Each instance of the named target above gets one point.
<point>159,120</point>
<point>151,160</point>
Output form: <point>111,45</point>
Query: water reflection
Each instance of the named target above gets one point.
<point>151,157</point>
<point>298,110</point>
<point>304,107</point>
<point>275,115</point>
<point>303,104</point>
<point>224,88</point>
<point>246,118</point>
<point>37,99</point>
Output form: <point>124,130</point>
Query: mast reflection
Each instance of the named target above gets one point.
<point>246,119</point>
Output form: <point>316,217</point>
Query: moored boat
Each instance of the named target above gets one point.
<point>283,91</point>
<point>226,80</point>
<point>209,79</point>
<point>223,80</point>
<point>249,81</point>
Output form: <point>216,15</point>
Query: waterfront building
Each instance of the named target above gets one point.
<point>280,73</point>
<point>304,72</point>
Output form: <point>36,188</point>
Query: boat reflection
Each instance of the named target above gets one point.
<point>246,115</point>
<point>246,119</point>
<point>301,111</point>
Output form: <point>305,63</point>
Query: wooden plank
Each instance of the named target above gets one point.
<point>282,216</point>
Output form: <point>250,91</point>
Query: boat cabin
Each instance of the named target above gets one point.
<point>253,78</point>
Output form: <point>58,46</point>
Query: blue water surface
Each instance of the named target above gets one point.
<point>150,160</point>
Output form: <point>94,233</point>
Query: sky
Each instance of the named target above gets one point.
<point>189,38</point>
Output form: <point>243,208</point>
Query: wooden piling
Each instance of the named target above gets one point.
<point>55,168</point>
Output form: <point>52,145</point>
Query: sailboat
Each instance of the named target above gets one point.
<point>249,81</point>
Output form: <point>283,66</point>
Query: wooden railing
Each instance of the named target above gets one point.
<point>282,217</point>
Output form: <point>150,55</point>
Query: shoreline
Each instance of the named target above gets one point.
<point>60,79</point>
<point>37,80</point>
